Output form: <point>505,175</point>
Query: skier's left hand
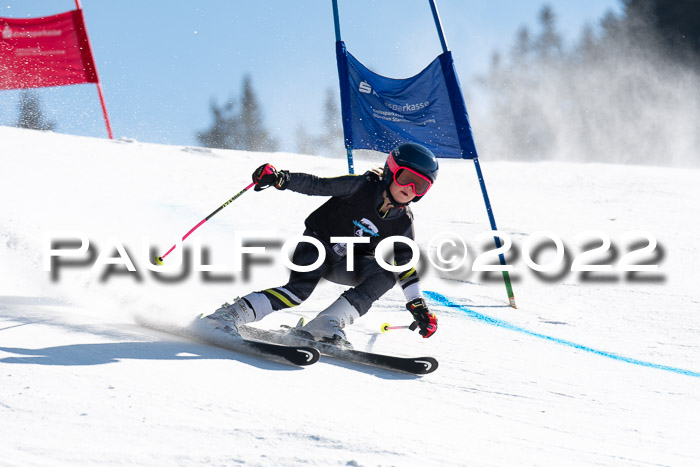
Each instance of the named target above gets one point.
<point>427,321</point>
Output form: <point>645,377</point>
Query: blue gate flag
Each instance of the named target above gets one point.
<point>380,113</point>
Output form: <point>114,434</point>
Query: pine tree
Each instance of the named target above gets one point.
<point>304,140</point>
<point>677,23</point>
<point>523,45</point>
<point>30,113</point>
<point>549,43</point>
<point>220,135</point>
<point>253,135</point>
<point>238,127</point>
<point>332,138</point>
<point>330,141</point>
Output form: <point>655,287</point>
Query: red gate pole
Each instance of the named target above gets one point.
<point>99,85</point>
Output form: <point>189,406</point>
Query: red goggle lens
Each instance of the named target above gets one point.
<point>405,177</point>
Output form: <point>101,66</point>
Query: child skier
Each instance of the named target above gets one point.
<point>367,205</point>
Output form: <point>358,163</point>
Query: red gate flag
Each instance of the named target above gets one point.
<point>47,51</point>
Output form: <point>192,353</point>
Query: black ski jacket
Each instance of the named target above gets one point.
<point>353,210</point>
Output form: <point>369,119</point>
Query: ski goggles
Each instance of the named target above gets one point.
<point>404,176</point>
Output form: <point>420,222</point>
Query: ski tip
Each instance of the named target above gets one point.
<point>429,365</point>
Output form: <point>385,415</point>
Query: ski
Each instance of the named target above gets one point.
<point>413,365</point>
<point>300,355</point>
<point>295,354</point>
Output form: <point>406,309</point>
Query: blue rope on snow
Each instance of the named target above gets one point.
<point>444,301</point>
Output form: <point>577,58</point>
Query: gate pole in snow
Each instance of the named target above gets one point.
<point>497,240</point>
<point>336,20</point>
<point>94,65</point>
<point>479,174</point>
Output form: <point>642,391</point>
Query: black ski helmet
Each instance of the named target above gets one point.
<point>414,156</point>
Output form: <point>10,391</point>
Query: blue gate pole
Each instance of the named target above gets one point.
<point>351,162</point>
<point>438,25</point>
<point>497,240</point>
<point>479,174</point>
<point>336,21</point>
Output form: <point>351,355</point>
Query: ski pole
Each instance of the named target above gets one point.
<point>386,327</point>
<point>159,259</point>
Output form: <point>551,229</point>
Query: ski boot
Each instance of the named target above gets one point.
<point>328,325</point>
<point>229,316</point>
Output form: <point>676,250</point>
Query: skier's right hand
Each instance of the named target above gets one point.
<point>266,176</point>
<point>426,320</point>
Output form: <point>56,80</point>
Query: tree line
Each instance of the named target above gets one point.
<point>238,123</point>
<point>627,90</point>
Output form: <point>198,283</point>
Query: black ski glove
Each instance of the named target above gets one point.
<point>266,176</point>
<point>426,320</point>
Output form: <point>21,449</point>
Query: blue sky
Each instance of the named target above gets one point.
<point>161,62</point>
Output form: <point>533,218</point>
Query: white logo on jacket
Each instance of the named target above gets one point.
<point>365,226</point>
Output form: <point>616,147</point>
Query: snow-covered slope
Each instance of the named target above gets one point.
<point>598,369</point>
